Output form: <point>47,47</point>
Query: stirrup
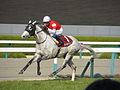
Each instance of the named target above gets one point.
<point>60,43</point>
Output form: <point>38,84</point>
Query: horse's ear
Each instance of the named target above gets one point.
<point>34,22</point>
<point>30,21</point>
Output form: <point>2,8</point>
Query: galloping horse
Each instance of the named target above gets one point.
<point>46,48</point>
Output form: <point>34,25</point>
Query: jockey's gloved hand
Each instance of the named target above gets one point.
<point>43,27</point>
<point>54,35</point>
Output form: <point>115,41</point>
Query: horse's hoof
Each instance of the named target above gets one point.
<point>51,75</point>
<point>20,72</point>
<point>39,73</point>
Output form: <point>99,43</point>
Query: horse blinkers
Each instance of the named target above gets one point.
<point>31,29</point>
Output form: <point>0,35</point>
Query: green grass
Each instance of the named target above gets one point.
<point>98,38</point>
<point>79,84</point>
<point>80,38</point>
<point>13,55</point>
<point>14,37</point>
<point>46,85</point>
<point>107,56</point>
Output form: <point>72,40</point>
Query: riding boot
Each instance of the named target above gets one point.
<point>60,41</point>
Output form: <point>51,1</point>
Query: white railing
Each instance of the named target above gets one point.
<point>100,43</point>
<point>81,42</point>
<point>97,50</point>
<point>32,49</point>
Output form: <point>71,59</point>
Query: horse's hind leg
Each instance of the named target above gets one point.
<point>63,65</point>
<point>73,67</point>
<point>58,70</point>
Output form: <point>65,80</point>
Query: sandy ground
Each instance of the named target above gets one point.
<point>9,68</point>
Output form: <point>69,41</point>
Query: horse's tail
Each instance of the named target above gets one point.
<point>84,47</point>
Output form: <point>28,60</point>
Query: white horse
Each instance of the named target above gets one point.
<point>46,48</point>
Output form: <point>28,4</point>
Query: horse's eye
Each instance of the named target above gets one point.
<point>30,28</point>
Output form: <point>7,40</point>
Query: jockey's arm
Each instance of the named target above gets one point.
<point>52,31</point>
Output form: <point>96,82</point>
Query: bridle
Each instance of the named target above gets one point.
<point>32,32</point>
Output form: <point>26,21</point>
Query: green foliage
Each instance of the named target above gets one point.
<point>80,38</point>
<point>107,56</point>
<point>98,39</point>
<point>14,37</point>
<point>17,45</point>
<point>13,55</point>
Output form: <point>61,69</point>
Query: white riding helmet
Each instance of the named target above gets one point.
<point>46,19</point>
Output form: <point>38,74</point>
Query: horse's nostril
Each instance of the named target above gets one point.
<point>23,36</point>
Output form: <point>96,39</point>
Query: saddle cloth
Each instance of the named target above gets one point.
<point>67,41</point>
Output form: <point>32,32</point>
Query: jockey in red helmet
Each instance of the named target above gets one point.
<point>54,28</point>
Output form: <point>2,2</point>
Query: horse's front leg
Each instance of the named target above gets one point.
<point>26,66</point>
<point>38,67</point>
<point>35,58</point>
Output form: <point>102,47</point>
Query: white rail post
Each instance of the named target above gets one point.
<point>55,64</point>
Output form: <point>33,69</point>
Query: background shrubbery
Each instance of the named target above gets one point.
<point>80,38</point>
<point>12,55</point>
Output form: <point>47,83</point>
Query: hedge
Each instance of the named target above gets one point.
<point>107,56</point>
<point>80,38</point>
<point>13,55</point>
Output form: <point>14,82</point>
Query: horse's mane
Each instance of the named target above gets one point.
<point>45,29</point>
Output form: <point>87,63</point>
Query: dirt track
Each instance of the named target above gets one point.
<point>9,68</point>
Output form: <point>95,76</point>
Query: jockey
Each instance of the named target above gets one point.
<point>54,28</point>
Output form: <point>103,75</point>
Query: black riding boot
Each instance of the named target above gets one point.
<point>60,41</point>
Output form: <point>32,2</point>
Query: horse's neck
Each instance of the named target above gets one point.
<point>42,36</point>
<point>46,45</point>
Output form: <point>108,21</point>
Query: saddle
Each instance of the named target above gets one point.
<point>66,41</point>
